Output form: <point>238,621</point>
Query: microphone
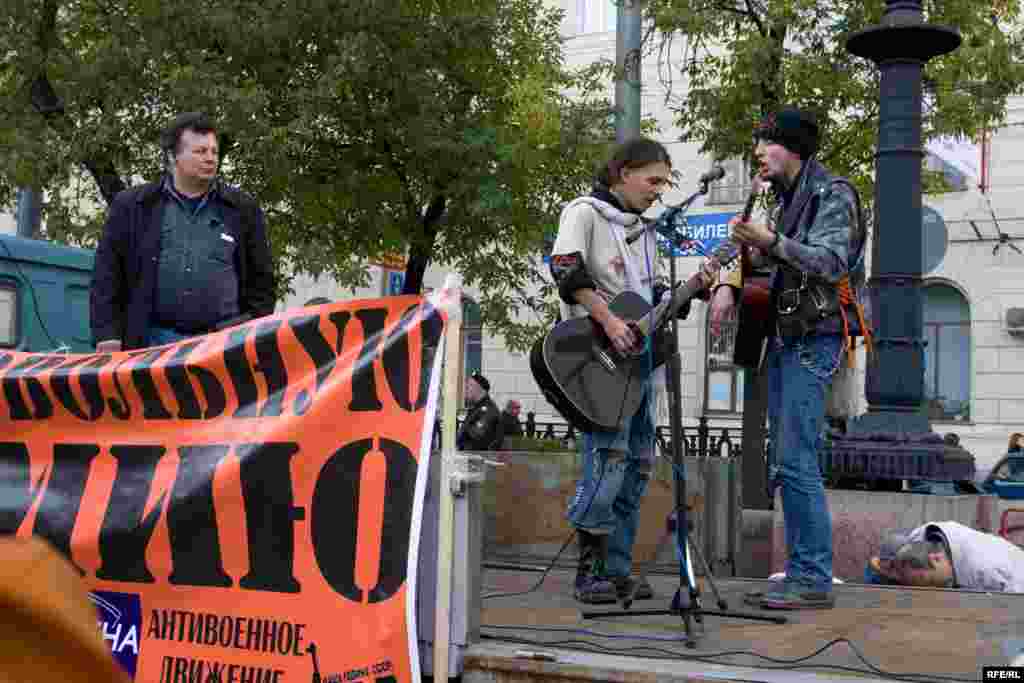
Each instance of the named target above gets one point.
<point>716,173</point>
<point>663,225</point>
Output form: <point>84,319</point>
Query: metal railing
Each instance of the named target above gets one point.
<point>701,439</point>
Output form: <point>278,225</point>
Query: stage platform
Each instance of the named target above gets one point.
<point>905,634</point>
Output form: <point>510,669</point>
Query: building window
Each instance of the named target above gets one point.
<point>472,338</point>
<point>8,314</point>
<point>735,186</point>
<point>947,353</point>
<point>723,389</point>
<point>596,16</point>
<point>611,15</point>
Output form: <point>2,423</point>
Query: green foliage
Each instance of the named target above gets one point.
<point>741,59</point>
<point>345,119</point>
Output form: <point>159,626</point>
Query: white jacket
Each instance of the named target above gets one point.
<point>981,561</point>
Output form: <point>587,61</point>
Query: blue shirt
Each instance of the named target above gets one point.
<point>197,280</point>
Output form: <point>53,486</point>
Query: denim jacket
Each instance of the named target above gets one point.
<point>822,235</point>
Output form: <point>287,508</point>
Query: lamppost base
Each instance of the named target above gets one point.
<point>881,445</point>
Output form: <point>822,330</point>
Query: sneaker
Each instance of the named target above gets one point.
<point>796,596</point>
<point>755,596</point>
<point>625,585</point>
<point>594,590</point>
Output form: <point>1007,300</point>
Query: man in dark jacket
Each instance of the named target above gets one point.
<point>510,419</point>
<point>481,430</point>
<point>815,249</point>
<point>182,256</point>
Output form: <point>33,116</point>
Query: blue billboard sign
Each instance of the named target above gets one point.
<point>703,232</point>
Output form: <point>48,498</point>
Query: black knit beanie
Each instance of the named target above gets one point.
<point>795,129</point>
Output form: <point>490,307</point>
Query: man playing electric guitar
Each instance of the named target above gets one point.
<point>592,263</point>
<point>816,253</point>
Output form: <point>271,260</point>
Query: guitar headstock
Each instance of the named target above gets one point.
<point>729,251</point>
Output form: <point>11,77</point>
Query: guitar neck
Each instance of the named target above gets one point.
<point>725,254</point>
<point>748,208</point>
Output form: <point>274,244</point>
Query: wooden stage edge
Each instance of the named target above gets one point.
<point>873,634</point>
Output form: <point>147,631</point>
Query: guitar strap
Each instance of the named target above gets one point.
<point>847,295</point>
<point>842,400</point>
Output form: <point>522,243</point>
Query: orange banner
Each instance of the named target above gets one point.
<point>243,505</point>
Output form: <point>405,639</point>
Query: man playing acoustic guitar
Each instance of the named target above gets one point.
<point>592,262</point>
<point>816,252</point>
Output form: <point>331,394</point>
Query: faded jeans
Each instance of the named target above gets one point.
<point>616,470</point>
<point>799,372</point>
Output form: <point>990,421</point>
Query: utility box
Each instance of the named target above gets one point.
<point>467,569</point>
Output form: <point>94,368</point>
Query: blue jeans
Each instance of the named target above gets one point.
<point>799,371</point>
<point>158,336</point>
<point>616,470</point>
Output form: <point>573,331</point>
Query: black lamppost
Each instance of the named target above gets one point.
<point>893,440</point>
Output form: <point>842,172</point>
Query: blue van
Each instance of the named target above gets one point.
<point>44,296</point>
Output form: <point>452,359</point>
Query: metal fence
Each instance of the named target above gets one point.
<point>700,440</point>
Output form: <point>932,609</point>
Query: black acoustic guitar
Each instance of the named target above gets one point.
<point>591,384</point>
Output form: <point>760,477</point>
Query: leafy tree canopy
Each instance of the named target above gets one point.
<point>445,130</point>
<point>730,62</point>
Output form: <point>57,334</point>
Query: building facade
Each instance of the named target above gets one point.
<point>973,284</point>
<point>973,279</point>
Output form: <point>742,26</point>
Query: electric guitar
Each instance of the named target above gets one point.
<point>590,383</point>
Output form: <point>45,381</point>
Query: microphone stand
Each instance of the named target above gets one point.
<point>687,602</point>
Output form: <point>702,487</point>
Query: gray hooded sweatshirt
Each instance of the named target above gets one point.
<point>981,561</point>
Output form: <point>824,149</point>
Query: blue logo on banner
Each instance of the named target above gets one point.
<point>396,280</point>
<point>120,620</point>
<point>705,232</point>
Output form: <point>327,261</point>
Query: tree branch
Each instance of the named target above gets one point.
<point>422,249</point>
<point>752,13</point>
<point>50,106</point>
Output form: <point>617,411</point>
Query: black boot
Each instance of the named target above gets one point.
<point>592,587</point>
<point>627,587</point>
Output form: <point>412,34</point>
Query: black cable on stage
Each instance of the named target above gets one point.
<point>543,575</point>
<point>712,658</point>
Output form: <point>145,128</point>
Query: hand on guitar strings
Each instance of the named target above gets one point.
<point>709,271</point>
<point>751,234</point>
<point>619,333</point>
